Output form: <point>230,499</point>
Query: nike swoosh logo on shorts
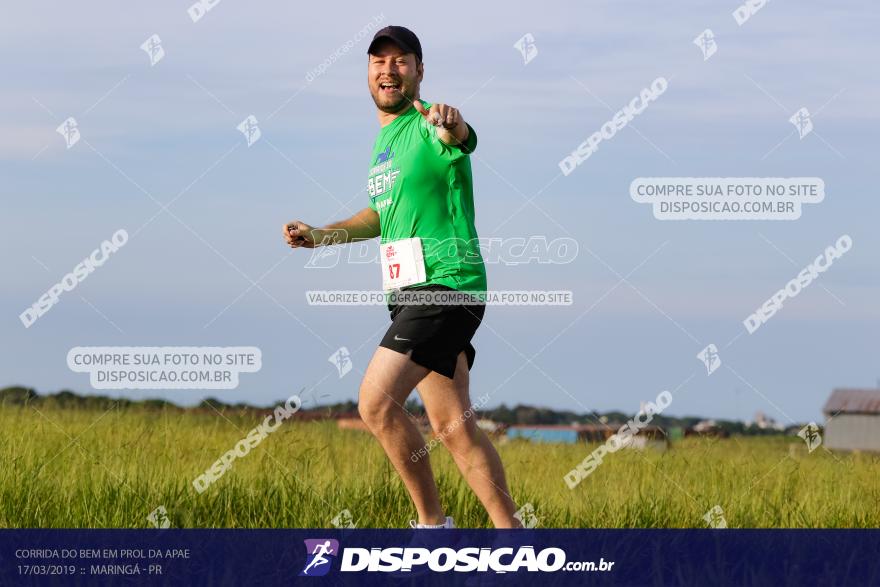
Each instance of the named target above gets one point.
<point>401,339</point>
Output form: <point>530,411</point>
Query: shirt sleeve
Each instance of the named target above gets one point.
<point>448,152</point>
<point>470,143</point>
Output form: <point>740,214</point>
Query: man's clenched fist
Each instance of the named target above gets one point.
<point>451,128</point>
<point>299,234</point>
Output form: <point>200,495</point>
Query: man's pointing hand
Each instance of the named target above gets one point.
<point>451,128</point>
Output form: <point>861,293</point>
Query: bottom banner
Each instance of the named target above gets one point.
<point>466,557</point>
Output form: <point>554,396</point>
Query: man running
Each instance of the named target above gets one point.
<point>319,552</point>
<point>421,204</point>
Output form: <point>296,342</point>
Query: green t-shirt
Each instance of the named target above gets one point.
<point>424,188</point>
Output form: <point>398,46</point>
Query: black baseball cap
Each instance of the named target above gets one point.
<point>402,36</point>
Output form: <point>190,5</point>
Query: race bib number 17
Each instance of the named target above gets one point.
<point>403,263</point>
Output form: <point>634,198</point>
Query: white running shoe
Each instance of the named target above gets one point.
<point>449,523</point>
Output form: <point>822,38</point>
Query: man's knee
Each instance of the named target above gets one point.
<point>455,432</point>
<point>376,410</point>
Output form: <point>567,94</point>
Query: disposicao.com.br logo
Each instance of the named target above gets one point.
<point>319,555</point>
<point>322,551</point>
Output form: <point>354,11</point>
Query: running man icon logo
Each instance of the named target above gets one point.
<point>342,359</point>
<point>810,434</point>
<point>526,516</point>
<point>706,43</point>
<point>323,258</point>
<point>153,48</point>
<point>250,129</point>
<point>319,555</point>
<point>159,518</point>
<point>710,358</point>
<point>802,122</point>
<point>69,129</point>
<point>526,46</point>
<point>715,518</point>
<point>343,519</point>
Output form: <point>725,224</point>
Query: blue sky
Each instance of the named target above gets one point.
<point>185,278</point>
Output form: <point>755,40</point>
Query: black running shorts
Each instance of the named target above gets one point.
<point>435,333</point>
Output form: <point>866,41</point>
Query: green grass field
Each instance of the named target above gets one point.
<point>75,468</point>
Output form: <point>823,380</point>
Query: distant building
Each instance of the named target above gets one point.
<point>707,428</point>
<point>765,422</point>
<point>490,426</point>
<point>852,420</point>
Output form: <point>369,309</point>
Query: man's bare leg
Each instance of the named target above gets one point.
<point>446,401</point>
<point>388,381</point>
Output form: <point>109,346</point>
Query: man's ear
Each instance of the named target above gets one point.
<point>420,68</point>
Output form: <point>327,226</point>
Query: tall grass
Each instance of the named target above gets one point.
<point>74,468</point>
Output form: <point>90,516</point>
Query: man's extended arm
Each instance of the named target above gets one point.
<point>451,127</point>
<point>362,226</point>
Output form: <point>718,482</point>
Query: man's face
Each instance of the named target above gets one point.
<point>393,77</point>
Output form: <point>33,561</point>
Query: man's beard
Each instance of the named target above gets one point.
<point>398,103</point>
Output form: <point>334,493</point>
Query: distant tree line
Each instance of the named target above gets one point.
<point>516,415</point>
